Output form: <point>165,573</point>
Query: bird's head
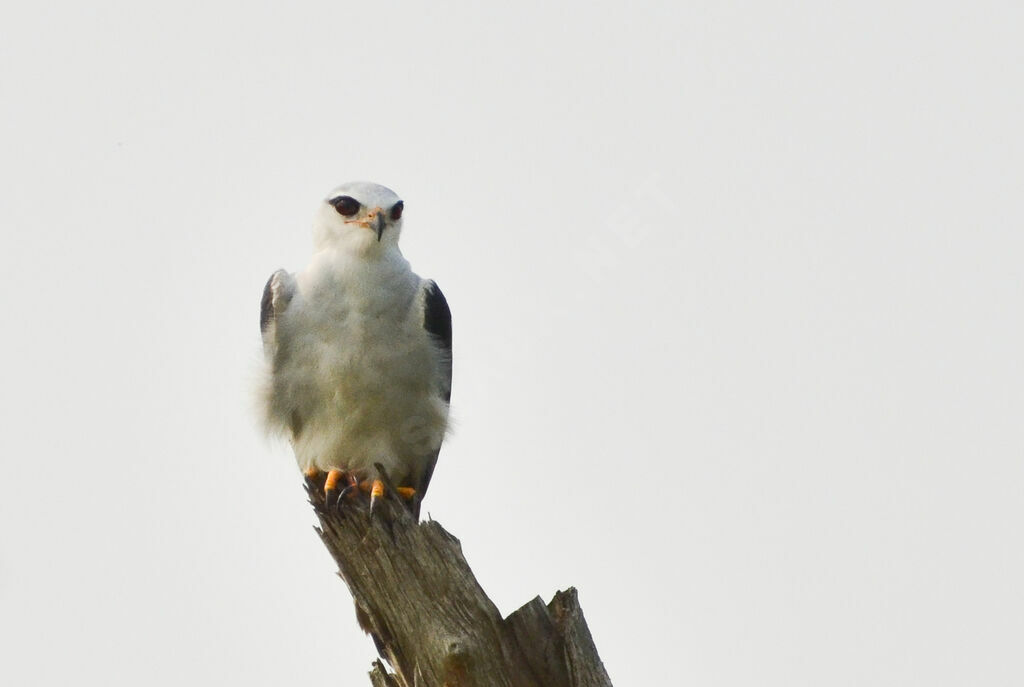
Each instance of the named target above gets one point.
<point>359,216</point>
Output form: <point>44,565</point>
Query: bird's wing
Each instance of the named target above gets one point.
<point>437,321</point>
<point>277,294</point>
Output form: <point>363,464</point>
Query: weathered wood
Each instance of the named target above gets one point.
<point>380,677</point>
<point>416,596</point>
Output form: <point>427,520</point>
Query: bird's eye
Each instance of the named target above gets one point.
<point>345,205</point>
<point>396,210</point>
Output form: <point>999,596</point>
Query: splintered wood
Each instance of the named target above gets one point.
<point>416,596</point>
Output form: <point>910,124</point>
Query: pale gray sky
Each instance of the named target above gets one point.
<point>737,301</point>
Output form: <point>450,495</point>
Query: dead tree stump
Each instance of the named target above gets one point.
<point>416,596</point>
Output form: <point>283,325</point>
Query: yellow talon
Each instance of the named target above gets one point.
<point>376,491</point>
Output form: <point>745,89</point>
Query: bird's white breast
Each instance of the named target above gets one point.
<point>357,367</point>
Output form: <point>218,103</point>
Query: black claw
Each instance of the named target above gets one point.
<point>341,496</point>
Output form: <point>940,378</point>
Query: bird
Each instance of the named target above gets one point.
<point>358,353</point>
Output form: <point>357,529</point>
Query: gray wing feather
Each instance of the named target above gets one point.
<point>277,294</point>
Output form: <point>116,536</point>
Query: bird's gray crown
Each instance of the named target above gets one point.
<point>367,193</point>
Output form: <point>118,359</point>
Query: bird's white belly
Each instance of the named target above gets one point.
<point>364,389</point>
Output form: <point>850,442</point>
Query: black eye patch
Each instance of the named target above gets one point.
<point>345,205</point>
<point>396,210</point>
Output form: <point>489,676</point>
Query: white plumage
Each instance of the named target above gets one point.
<point>358,347</point>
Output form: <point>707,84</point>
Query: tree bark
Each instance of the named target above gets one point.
<point>416,596</point>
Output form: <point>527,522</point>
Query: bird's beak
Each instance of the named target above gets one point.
<point>378,223</point>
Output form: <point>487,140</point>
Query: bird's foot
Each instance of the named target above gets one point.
<point>376,489</point>
<point>337,485</point>
<point>376,493</point>
<point>314,480</point>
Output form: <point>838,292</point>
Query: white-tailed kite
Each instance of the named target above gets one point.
<point>358,351</point>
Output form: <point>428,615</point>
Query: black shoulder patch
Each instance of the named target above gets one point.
<point>437,318</point>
